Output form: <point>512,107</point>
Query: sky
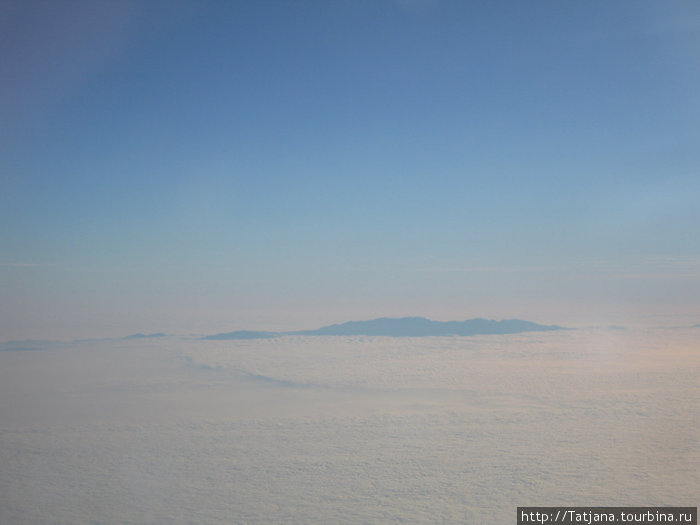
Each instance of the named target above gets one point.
<point>196,167</point>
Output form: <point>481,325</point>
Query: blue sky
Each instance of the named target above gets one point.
<point>207,166</point>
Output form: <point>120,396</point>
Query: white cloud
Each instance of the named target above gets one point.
<point>384,430</point>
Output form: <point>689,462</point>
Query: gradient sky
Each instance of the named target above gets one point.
<point>209,166</point>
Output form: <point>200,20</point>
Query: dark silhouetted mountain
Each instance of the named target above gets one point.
<point>143,336</point>
<point>28,344</point>
<point>244,334</point>
<point>405,327</point>
<point>422,327</point>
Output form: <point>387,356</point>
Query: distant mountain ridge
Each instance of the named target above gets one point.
<point>404,327</point>
<point>144,336</point>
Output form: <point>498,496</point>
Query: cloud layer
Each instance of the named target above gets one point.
<point>301,429</point>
